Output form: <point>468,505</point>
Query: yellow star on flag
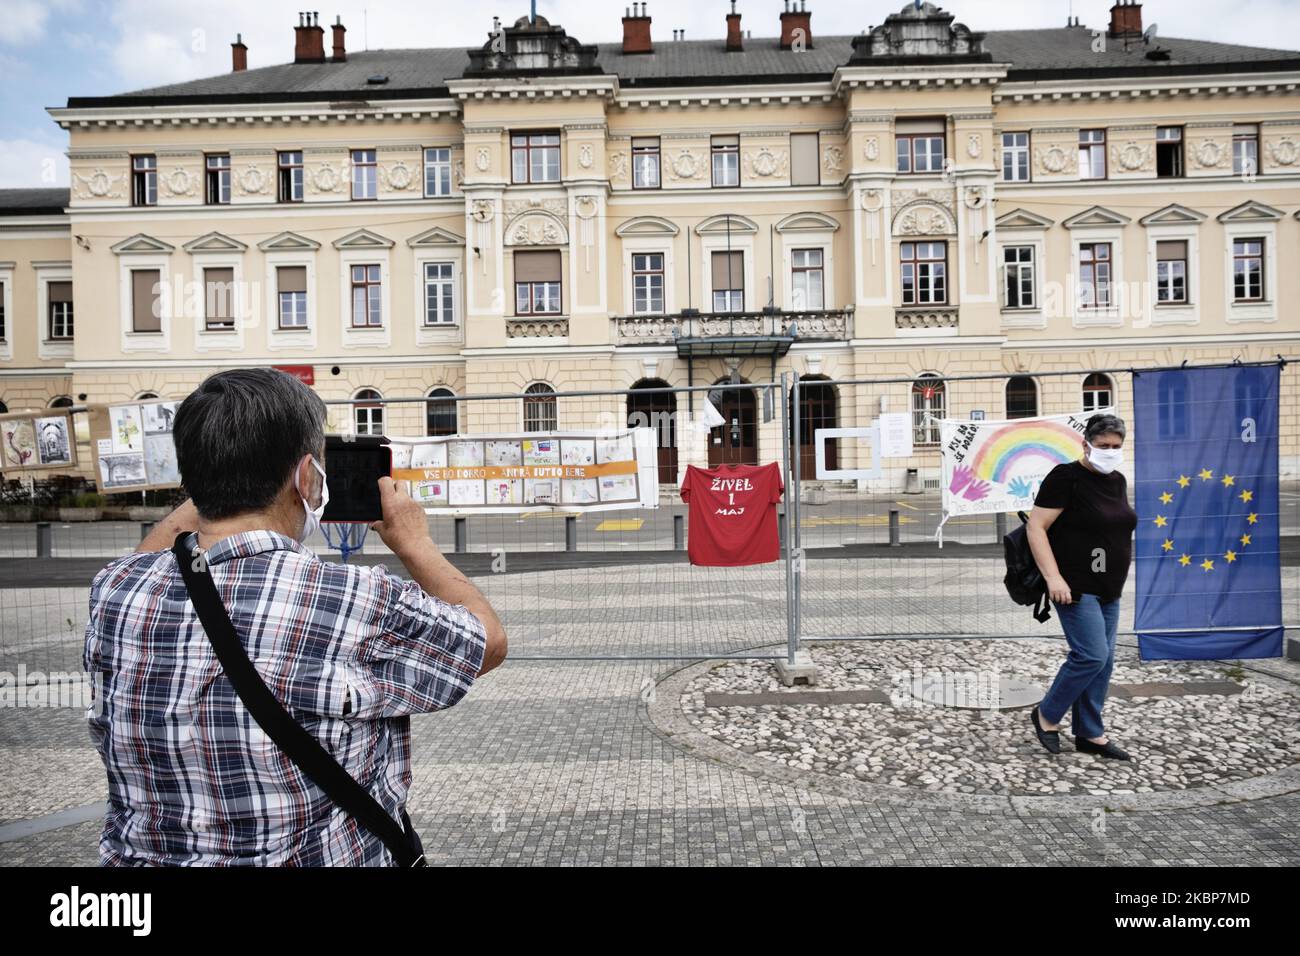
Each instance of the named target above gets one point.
<point>1245,496</point>
<point>1252,518</point>
<point>1205,474</point>
<point>1166,498</point>
<point>1161,521</point>
<point>1230,556</point>
<point>1185,560</point>
<point>1228,480</point>
<point>1183,481</point>
<point>1168,545</point>
<point>1207,564</point>
<point>1245,540</point>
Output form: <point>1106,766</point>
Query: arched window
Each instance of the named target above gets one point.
<point>4,409</point>
<point>63,401</point>
<point>929,405</point>
<point>540,414</point>
<point>1022,397</point>
<point>1098,392</point>
<point>146,396</point>
<point>368,419</point>
<point>440,413</point>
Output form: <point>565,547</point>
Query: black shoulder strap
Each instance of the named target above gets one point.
<point>298,745</point>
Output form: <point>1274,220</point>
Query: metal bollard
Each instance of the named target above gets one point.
<point>44,540</point>
<point>895,532</point>
<point>570,533</point>
<point>679,532</point>
<point>460,535</point>
<point>146,528</point>
<point>1000,525</point>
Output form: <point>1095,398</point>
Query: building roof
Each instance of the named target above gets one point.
<point>1060,53</point>
<point>32,202</point>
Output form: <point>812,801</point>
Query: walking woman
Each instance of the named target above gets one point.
<point>1081,532</point>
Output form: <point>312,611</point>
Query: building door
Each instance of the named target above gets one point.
<point>735,442</point>
<point>657,410</point>
<point>817,409</point>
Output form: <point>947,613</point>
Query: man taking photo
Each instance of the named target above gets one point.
<point>349,652</point>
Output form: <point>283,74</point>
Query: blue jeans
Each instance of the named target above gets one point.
<point>1081,683</point>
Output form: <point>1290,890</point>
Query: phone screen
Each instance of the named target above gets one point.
<point>353,468</point>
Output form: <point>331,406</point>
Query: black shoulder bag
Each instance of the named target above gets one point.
<point>1023,580</point>
<point>298,745</point>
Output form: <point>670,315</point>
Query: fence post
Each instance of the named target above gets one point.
<point>679,532</point>
<point>895,535</point>
<point>570,533</point>
<point>44,540</point>
<point>461,535</point>
<point>1000,525</point>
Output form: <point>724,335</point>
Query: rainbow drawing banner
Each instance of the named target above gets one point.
<point>997,466</point>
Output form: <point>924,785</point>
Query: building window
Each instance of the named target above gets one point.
<point>218,299</point>
<point>1092,154</point>
<point>539,408</point>
<point>146,311</point>
<point>929,407</point>
<point>1171,272</point>
<point>144,180</point>
<point>647,283</point>
<point>365,174</point>
<point>805,166</point>
<point>535,157</point>
<point>1098,392</point>
<point>728,282</point>
<point>726,160</point>
<point>1018,277</point>
<point>368,419</point>
<point>1248,270</point>
<point>291,287</point>
<point>920,153</point>
<point>1022,397</point>
<point>65,401</point>
<point>367,303</point>
<point>1169,152</point>
<point>537,283</point>
<point>807,279</point>
<point>59,296</point>
<point>1245,150</point>
<point>1094,275</point>
<point>440,413</point>
<point>439,293</point>
<point>925,272</point>
<point>290,169</point>
<point>3,317</point>
<point>437,172</point>
<point>217,192</point>
<point>1015,157</point>
<point>645,162</point>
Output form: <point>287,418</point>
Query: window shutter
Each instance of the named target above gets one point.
<point>804,168</point>
<point>59,291</point>
<point>542,266</point>
<point>936,125</point>
<point>1171,250</point>
<point>143,298</point>
<point>218,291</point>
<point>721,262</point>
<point>291,278</point>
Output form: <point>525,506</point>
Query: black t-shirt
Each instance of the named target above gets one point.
<point>1092,539</point>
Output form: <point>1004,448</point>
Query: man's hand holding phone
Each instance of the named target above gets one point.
<point>405,526</point>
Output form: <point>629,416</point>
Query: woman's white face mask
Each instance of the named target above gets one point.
<point>314,515</point>
<point>1105,460</point>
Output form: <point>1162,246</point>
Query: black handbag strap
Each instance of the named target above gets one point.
<point>298,745</point>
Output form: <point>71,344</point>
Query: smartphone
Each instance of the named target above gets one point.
<point>353,466</point>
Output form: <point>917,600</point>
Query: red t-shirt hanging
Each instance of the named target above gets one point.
<point>733,514</point>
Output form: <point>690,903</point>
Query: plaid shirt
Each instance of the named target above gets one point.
<point>350,651</point>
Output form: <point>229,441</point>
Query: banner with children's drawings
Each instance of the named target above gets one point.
<point>991,467</point>
<point>509,473</point>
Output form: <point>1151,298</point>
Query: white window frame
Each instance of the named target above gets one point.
<point>451,176</point>
<point>428,395</point>
<point>297,340</point>
<point>7,290</point>
<point>1112,316</point>
<point>1004,149</point>
<point>451,317</point>
<point>663,274</point>
<point>743,244</point>
<point>807,239</point>
<point>1114,389</point>
<point>453,332</point>
<point>374,336</point>
<point>725,150</point>
<point>1265,311</point>
<point>131,340</point>
<point>523,391</point>
<point>47,272</point>
<point>210,340</point>
<point>1179,313</point>
<point>354,408</point>
<point>648,245</point>
<point>1035,265</point>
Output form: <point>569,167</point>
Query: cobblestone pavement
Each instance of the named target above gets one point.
<point>572,762</point>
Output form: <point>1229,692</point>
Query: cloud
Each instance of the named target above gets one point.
<point>32,163</point>
<point>25,21</point>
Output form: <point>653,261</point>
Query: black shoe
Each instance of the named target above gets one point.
<point>1108,749</point>
<point>1050,739</point>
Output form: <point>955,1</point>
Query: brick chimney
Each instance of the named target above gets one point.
<point>340,53</point>
<point>1126,19</point>
<point>795,19</point>
<point>735,39</point>
<point>238,55</point>
<point>636,30</point>
<point>308,39</point>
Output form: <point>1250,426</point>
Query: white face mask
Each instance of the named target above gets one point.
<point>1105,460</point>
<point>313,514</point>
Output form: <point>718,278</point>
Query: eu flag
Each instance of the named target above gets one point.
<point>1209,577</point>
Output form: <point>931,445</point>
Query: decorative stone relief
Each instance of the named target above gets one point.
<point>396,176</point>
<point>326,178</point>
<point>482,212</point>
<point>99,185</point>
<point>924,219</point>
<point>974,145</point>
<point>1056,159</point>
<point>832,158</point>
<point>1133,156</point>
<point>458,173</point>
<point>483,159</point>
<point>1210,154</point>
<point>618,165</point>
<point>871,149</point>
<point>584,156</point>
<point>180,182</point>
<point>585,208</point>
<point>942,197</point>
<point>518,207</point>
<point>687,164</point>
<point>252,181</point>
<point>764,163</point>
<point>535,231</point>
<point>1284,151</point>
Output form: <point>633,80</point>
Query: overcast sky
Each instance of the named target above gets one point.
<point>53,49</point>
